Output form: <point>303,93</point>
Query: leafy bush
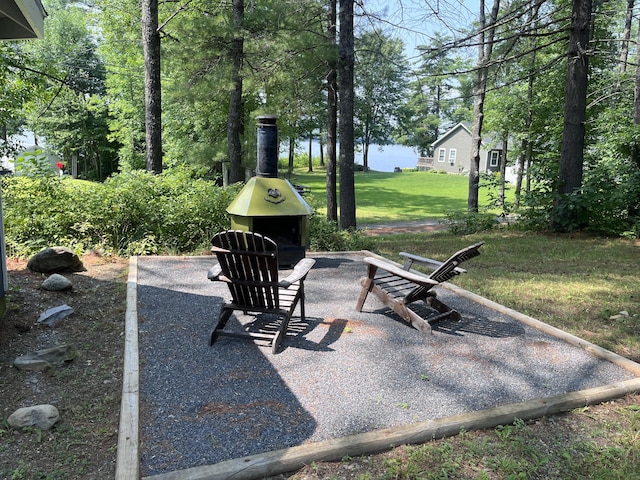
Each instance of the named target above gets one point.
<point>133,213</point>
<point>327,237</point>
<point>466,223</point>
<point>34,164</point>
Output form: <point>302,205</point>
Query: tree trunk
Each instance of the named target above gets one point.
<point>524,161</point>
<point>626,36</point>
<point>292,147</point>
<point>346,95</point>
<point>234,122</point>
<point>310,153</point>
<point>634,207</point>
<point>332,120</point>
<point>572,153</point>
<point>485,48</point>
<point>152,85</point>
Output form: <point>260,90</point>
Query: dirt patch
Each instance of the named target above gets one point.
<point>86,390</point>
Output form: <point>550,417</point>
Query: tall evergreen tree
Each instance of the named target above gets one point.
<point>152,85</point>
<point>573,133</point>
<point>346,114</point>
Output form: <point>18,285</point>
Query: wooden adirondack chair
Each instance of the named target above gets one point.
<point>398,287</point>
<point>248,264</point>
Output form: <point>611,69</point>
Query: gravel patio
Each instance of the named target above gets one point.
<point>340,373</point>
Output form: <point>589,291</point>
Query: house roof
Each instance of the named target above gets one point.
<point>450,132</point>
<point>20,19</point>
<point>498,145</point>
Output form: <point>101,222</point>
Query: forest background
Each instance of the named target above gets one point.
<point>509,69</point>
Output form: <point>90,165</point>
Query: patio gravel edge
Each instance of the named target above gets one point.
<point>281,461</point>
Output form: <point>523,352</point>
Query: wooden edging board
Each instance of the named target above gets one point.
<point>128,456</point>
<point>294,458</point>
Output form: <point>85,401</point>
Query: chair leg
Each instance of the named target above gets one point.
<point>223,318</point>
<point>302,314</point>
<point>367,286</point>
<point>281,333</point>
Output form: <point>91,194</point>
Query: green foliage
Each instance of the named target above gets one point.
<point>326,237</point>
<point>131,213</point>
<point>381,84</point>
<point>467,223</point>
<point>134,213</point>
<point>33,164</point>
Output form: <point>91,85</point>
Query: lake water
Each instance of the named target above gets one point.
<point>381,159</point>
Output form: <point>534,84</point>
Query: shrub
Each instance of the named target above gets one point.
<point>466,223</point>
<point>133,213</point>
<point>327,237</point>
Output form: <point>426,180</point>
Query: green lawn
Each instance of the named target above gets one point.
<point>385,197</point>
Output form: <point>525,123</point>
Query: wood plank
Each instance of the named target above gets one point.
<point>291,459</point>
<point>128,455</point>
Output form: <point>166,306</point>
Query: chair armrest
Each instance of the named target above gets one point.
<point>300,271</point>
<point>412,276</point>
<point>214,272</point>
<point>427,262</point>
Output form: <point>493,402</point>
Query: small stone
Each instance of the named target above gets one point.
<point>55,259</point>
<point>57,283</point>
<point>41,416</point>
<point>47,358</point>
<point>54,315</point>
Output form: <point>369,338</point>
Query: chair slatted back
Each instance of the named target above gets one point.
<point>448,269</point>
<point>249,263</point>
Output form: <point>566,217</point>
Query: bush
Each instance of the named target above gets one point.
<point>466,223</point>
<point>133,213</point>
<point>327,237</point>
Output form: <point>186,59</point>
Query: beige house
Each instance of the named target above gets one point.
<point>452,153</point>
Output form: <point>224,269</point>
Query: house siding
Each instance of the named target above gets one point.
<point>457,139</point>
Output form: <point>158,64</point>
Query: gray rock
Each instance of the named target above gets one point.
<point>57,283</point>
<point>54,315</point>
<point>41,416</point>
<point>47,358</point>
<point>55,259</point>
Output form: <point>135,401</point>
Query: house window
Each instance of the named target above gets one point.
<point>452,156</point>
<point>441,154</point>
<point>494,157</point>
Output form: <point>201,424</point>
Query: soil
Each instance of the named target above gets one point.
<point>86,390</point>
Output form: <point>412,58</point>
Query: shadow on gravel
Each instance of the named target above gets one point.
<point>339,373</point>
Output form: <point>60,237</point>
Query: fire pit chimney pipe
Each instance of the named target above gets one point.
<point>267,165</point>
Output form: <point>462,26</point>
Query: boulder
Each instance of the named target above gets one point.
<point>55,259</point>
<point>57,283</point>
<point>41,416</point>
<point>46,358</point>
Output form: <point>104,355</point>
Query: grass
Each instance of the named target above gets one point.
<point>386,197</point>
<point>574,282</point>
